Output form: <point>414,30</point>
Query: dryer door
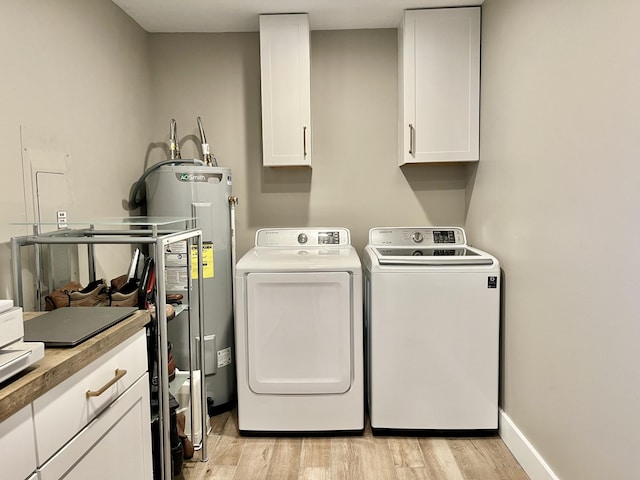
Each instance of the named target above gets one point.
<point>299,332</point>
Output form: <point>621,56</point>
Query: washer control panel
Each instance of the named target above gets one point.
<point>413,236</point>
<point>308,237</point>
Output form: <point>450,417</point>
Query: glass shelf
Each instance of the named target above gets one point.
<point>114,221</point>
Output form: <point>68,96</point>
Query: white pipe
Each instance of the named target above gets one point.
<point>233,201</point>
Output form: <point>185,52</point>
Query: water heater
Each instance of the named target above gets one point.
<point>202,192</point>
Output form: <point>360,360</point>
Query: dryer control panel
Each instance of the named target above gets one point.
<point>299,237</point>
<point>417,236</point>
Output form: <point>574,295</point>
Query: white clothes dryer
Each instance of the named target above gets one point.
<point>299,332</point>
<point>432,326</point>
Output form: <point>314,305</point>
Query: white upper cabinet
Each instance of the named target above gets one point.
<point>439,85</point>
<point>286,90</point>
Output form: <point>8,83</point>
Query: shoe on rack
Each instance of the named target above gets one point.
<point>187,446</point>
<point>96,294</point>
<point>60,296</point>
<point>169,311</point>
<point>174,298</point>
<point>126,295</point>
<point>118,282</point>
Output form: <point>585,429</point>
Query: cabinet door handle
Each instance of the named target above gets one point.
<point>118,375</point>
<point>304,140</point>
<point>412,139</point>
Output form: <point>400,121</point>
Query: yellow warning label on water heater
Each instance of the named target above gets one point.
<point>207,260</point>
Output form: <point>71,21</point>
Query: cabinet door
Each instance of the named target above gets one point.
<point>439,85</point>
<point>116,444</point>
<point>286,90</point>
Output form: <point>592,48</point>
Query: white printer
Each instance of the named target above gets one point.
<point>15,355</point>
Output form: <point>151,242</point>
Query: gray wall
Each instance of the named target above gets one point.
<point>354,182</point>
<point>556,198</point>
<point>74,87</point>
<point>555,195</point>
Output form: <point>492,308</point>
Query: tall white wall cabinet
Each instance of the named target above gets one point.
<point>286,90</point>
<point>439,85</point>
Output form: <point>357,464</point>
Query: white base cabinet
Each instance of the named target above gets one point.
<point>285,70</point>
<point>439,85</point>
<point>114,445</point>
<point>104,434</point>
<point>95,424</point>
<point>18,446</point>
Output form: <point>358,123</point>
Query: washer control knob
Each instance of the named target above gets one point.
<point>417,237</point>
<point>302,238</point>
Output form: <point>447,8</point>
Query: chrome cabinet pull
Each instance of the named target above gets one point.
<point>412,139</point>
<point>118,375</point>
<point>304,140</point>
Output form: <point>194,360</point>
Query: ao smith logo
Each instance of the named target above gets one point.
<point>199,177</point>
<point>188,177</point>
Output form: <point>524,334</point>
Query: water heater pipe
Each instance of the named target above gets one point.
<point>174,143</point>
<point>233,202</point>
<point>208,158</point>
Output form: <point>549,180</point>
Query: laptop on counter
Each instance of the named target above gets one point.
<point>70,326</point>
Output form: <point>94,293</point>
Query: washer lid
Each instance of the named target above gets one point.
<point>425,246</point>
<point>454,255</point>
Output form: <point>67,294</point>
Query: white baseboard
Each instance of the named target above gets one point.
<point>528,457</point>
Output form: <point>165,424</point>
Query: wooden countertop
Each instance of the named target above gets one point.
<point>59,364</point>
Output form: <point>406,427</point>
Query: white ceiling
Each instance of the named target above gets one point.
<point>242,15</point>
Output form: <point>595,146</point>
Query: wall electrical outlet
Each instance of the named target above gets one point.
<point>62,218</point>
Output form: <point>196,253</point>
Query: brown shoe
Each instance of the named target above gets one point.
<point>60,297</point>
<point>95,294</point>
<point>187,446</point>
<point>126,295</point>
<point>118,282</point>
<point>174,298</point>
<point>169,311</point>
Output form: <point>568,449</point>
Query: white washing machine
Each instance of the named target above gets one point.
<point>432,316</point>
<point>299,332</point>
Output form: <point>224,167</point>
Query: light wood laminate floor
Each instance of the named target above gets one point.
<point>365,457</point>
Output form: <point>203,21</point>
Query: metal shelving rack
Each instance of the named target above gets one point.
<point>144,231</point>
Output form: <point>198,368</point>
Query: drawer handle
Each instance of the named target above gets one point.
<point>96,393</point>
